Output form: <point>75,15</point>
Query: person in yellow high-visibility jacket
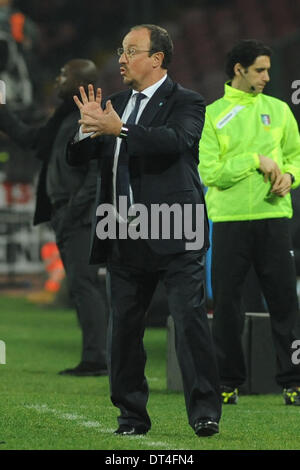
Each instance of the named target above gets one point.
<point>250,160</point>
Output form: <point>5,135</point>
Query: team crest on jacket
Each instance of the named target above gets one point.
<point>265,119</point>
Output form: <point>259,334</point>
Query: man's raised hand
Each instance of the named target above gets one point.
<point>90,102</point>
<point>93,118</point>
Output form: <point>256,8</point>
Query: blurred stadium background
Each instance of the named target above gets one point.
<point>202,31</point>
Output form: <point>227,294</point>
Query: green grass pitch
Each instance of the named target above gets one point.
<point>41,410</point>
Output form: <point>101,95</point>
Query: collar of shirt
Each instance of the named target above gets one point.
<point>234,94</point>
<point>149,92</point>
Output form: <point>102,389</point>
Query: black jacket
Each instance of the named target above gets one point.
<point>163,150</point>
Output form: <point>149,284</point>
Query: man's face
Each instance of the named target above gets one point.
<point>138,67</point>
<point>257,74</point>
<point>66,82</point>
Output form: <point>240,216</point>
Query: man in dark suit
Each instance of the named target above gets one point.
<point>65,196</point>
<point>147,154</point>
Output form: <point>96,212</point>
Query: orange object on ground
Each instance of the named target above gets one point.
<point>54,266</point>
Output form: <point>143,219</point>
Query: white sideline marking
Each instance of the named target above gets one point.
<point>90,424</point>
<point>69,417</point>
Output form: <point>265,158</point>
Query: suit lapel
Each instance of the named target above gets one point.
<point>121,101</point>
<point>157,101</point>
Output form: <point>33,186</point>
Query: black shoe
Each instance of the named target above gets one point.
<point>206,427</point>
<point>85,369</point>
<point>131,430</point>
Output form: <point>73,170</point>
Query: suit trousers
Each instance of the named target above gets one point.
<point>132,280</point>
<point>88,296</point>
<point>265,245</point>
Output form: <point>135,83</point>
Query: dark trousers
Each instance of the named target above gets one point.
<point>265,244</point>
<point>88,296</point>
<point>131,284</point>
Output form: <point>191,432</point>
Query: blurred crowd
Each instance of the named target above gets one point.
<point>56,31</point>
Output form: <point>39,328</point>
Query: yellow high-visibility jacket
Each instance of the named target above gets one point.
<point>239,127</point>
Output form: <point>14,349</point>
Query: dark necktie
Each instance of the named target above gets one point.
<point>123,177</point>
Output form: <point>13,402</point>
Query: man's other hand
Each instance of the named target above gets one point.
<point>269,168</point>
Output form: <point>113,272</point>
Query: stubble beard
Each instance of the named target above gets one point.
<point>130,82</point>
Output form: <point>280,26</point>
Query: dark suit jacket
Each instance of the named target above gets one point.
<point>163,151</point>
<point>56,132</point>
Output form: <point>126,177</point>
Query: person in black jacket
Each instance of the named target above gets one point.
<point>148,147</point>
<point>65,196</point>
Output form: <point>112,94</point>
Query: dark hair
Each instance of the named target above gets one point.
<point>245,52</point>
<point>160,41</point>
